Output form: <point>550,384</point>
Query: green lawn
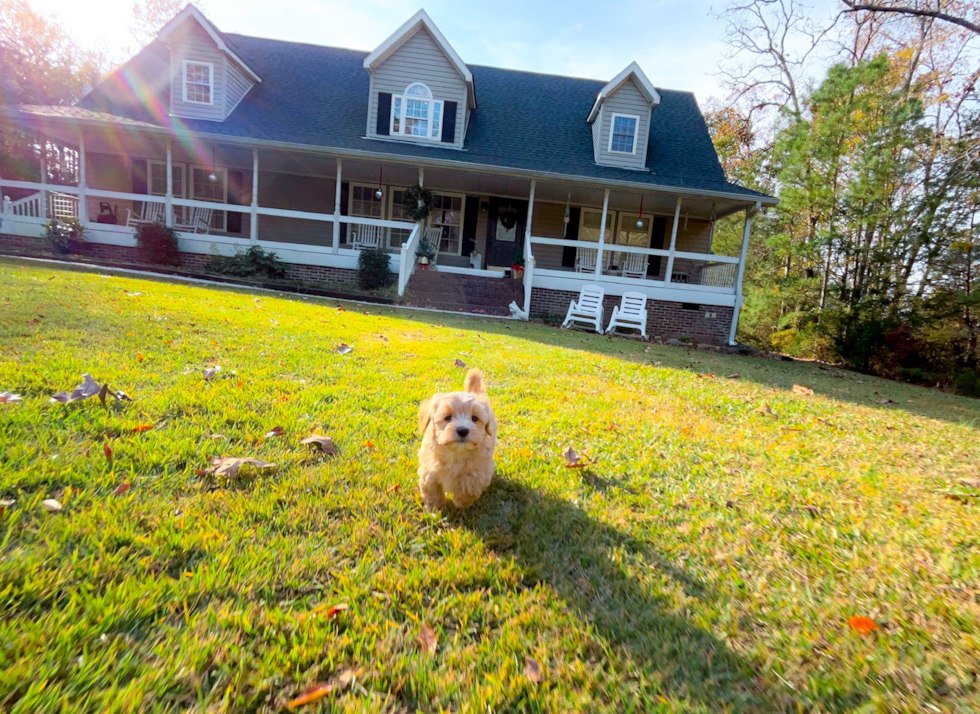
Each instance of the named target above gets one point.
<point>708,558</point>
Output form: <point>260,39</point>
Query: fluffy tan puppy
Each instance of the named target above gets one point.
<point>459,435</point>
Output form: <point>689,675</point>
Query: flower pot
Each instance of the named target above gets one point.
<point>424,263</point>
<point>517,272</point>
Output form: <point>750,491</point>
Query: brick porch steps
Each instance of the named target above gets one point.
<point>463,293</point>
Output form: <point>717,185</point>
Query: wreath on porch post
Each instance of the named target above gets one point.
<point>417,202</point>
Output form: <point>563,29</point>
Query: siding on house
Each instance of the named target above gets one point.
<point>628,99</point>
<point>238,85</point>
<point>596,130</point>
<point>296,193</point>
<point>548,221</point>
<point>197,46</point>
<point>419,60</point>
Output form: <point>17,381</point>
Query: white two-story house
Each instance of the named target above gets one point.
<point>311,151</point>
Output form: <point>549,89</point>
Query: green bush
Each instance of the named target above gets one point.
<point>252,263</point>
<point>374,270</point>
<point>61,234</point>
<point>157,244</point>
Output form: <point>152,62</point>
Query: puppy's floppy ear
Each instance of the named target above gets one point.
<point>491,425</point>
<point>474,382</point>
<point>425,414</point>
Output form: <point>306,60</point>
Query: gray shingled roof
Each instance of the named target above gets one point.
<point>317,96</point>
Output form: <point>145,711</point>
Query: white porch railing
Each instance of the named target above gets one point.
<point>406,260</point>
<point>528,275</point>
<point>29,206</point>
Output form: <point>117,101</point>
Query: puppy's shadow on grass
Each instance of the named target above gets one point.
<point>558,544</point>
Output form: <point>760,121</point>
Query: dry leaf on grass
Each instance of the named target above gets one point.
<point>210,372</point>
<point>766,409</point>
<point>324,442</point>
<point>88,388</point>
<point>734,375</point>
<point>319,691</point>
<point>107,450</point>
<point>459,363</point>
<point>862,625</point>
<point>533,670</point>
<point>343,349</point>
<point>9,398</point>
<point>6,503</point>
<point>274,432</point>
<point>572,459</point>
<point>428,638</point>
<point>141,428</point>
<point>51,505</point>
<point>229,466</point>
<point>971,482</point>
<point>887,401</point>
<point>121,489</point>
<point>800,389</point>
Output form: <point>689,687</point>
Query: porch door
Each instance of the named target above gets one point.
<point>506,225</point>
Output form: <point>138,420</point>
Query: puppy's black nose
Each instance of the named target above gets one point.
<point>462,431</point>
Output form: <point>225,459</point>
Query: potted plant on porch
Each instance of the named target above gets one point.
<point>425,252</point>
<point>65,236</point>
<point>517,267</point>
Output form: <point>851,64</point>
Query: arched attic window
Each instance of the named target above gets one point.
<point>416,113</point>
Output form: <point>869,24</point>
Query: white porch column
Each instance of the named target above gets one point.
<point>530,215</point>
<point>169,195</point>
<point>253,229</point>
<point>602,234</point>
<point>336,210</point>
<point>740,274</point>
<point>673,241</point>
<point>43,197</point>
<point>82,182</point>
<point>421,177</point>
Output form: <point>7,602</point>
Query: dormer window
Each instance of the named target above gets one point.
<point>198,82</point>
<point>622,136</point>
<point>416,113</point>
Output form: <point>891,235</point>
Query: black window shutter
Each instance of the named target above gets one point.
<point>470,215</point>
<point>568,254</point>
<point>384,113</point>
<point>139,183</point>
<point>236,179</point>
<point>344,195</point>
<point>449,122</point>
<point>657,241</point>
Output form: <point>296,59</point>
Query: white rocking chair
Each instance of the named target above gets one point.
<point>588,308</point>
<point>631,313</point>
<point>366,237</point>
<point>198,220</point>
<point>434,236</point>
<point>151,212</point>
<point>585,260</point>
<point>634,265</point>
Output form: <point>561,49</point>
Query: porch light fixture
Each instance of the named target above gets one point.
<point>381,174</point>
<point>568,215</point>
<point>212,177</point>
<point>639,222</point>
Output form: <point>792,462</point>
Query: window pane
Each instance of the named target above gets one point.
<point>418,90</point>
<point>416,117</point>
<point>158,180</point>
<point>364,203</point>
<point>624,131</point>
<point>591,220</point>
<point>397,115</point>
<point>436,119</point>
<point>447,215</point>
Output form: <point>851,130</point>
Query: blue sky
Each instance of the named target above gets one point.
<point>678,43</point>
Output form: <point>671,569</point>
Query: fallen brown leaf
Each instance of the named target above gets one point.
<point>459,363</point>
<point>971,482</point>
<point>318,691</point>
<point>572,459</point>
<point>51,505</point>
<point>343,349</point>
<point>88,388</point>
<point>734,375</point>
<point>229,466</point>
<point>766,409</point>
<point>276,431</point>
<point>800,389</point>
<point>394,488</point>
<point>140,428</point>
<point>121,489</point>
<point>107,450</point>
<point>862,625</point>
<point>324,442</point>
<point>7,503</point>
<point>9,398</point>
<point>533,670</point>
<point>210,372</point>
<point>428,639</point>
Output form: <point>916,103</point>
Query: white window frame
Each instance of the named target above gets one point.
<point>183,77</point>
<point>177,167</point>
<point>218,171</point>
<point>636,133</point>
<point>433,103</point>
<point>611,223</point>
<point>430,223</point>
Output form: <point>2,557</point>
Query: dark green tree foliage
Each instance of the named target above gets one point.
<point>374,270</point>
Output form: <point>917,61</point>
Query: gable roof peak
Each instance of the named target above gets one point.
<point>633,71</point>
<point>219,38</point>
<point>421,20</point>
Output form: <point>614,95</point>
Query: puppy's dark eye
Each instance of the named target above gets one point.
<point>476,418</point>
<point>449,417</point>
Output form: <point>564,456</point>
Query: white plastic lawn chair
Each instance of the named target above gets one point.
<point>434,236</point>
<point>366,237</point>
<point>588,308</point>
<point>631,313</point>
<point>585,259</point>
<point>634,265</point>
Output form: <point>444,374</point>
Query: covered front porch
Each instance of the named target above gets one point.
<point>319,210</point>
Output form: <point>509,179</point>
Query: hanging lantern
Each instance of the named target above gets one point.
<point>639,222</point>
<point>213,176</point>
<point>568,214</point>
<point>381,174</point>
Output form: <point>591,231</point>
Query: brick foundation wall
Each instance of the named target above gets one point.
<point>340,279</point>
<point>708,324</point>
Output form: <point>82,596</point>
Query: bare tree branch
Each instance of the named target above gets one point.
<point>919,12</point>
